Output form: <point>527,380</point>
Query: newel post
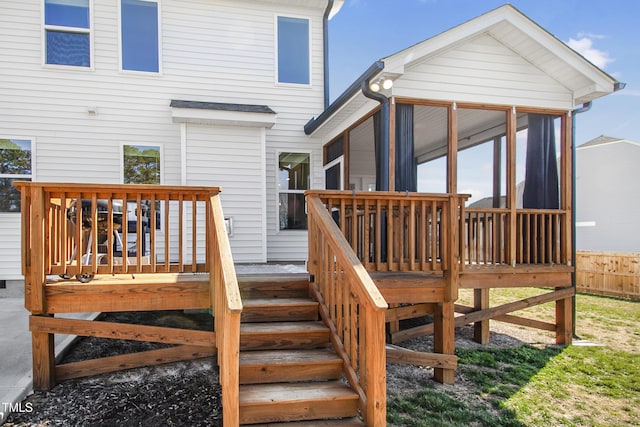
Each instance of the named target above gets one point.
<point>376,368</point>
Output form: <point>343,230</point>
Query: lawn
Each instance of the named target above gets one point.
<point>593,383</point>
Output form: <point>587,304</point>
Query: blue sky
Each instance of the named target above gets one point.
<point>606,32</point>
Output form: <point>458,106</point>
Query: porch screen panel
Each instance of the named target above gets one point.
<point>406,179</point>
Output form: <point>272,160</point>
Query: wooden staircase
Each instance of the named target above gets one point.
<point>288,370</point>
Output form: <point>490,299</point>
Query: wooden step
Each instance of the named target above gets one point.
<point>344,422</point>
<point>283,335</point>
<point>274,286</point>
<point>289,365</point>
<point>278,309</point>
<point>268,403</point>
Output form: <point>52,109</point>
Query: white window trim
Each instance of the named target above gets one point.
<point>43,41</point>
<point>275,49</point>
<point>340,161</point>
<point>136,72</point>
<point>141,144</point>
<point>277,203</point>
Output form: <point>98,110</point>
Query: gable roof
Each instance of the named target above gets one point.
<point>605,140</point>
<point>507,26</point>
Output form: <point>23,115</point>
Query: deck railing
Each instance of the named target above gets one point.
<point>227,309</point>
<point>541,236</point>
<point>116,229</point>
<point>397,231</point>
<point>353,307</point>
<point>87,229</point>
<point>485,238</point>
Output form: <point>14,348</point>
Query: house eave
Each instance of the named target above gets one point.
<point>222,114</point>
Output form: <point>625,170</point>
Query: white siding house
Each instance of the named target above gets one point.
<point>607,195</point>
<point>78,86</point>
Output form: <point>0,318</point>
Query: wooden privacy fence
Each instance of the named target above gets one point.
<point>353,308</point>
<point>608,273</point>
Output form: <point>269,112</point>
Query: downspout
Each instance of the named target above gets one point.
<point>384,137</point>
<point>325,49</point>
<point>585,107</point>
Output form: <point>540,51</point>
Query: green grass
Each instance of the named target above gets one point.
<point>547,385</point>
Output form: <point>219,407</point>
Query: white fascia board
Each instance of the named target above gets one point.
<point>223,117</point>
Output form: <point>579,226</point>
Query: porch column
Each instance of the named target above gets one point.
<point>452,153</point>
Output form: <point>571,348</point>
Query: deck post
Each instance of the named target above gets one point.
<point>481,328</point>
<point>444,338</point>
<point>564,320</point>
<point>44,362</point>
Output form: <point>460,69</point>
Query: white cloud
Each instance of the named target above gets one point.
<point>584,46</point>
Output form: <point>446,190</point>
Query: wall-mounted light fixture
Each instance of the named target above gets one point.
<point>381,83</point>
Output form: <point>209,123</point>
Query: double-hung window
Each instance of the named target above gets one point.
<point>15,165</point>
<point>139,35</point>
<point>293,50</point>
<point>67,28</point>
<point>294,174</point>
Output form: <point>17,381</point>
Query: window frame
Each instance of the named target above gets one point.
<point>32,176</point>
<point>159,41</point>
<point>287,191</point>
<point>277,53</point>
<point>66,29</point>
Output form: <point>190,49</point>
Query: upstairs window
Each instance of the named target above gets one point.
<point>67,32</point>
<point>293,50</point>
<point>139,35</point>
<point>15,165</point>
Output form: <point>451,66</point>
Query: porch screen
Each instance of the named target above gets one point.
<point>541,174</point>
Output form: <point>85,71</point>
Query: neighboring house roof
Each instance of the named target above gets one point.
<point>604,140</point>
<point>219,113</point>
<point>581,80</point>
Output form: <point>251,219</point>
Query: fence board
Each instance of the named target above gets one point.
<point>608,273</point>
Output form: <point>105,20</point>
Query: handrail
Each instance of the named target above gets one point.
<point>227,309</point>
<point>354,309</point>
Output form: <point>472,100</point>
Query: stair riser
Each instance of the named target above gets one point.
<point>280,373</point>
<point>297,411</point>
<point>263,341</point>
<point>279,314</point>
<point>297,289</point>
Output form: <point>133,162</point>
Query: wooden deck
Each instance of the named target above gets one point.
<point>385,258</point>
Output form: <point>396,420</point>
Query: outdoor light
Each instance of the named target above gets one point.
<point>381,83</point>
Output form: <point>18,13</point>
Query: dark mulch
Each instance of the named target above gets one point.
<point>175,394</point>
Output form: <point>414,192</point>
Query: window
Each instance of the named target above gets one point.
<point>15,165</point>
<point>293,180</point>
<point>141,165</point>
<point>67,32</point>
<point>293,50</point>
<point>139,35</point>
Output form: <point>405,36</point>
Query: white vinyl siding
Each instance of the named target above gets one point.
<point>482,70</point>
<point>607,177</point>
<point>212,51</point>
<point>233,157</point>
